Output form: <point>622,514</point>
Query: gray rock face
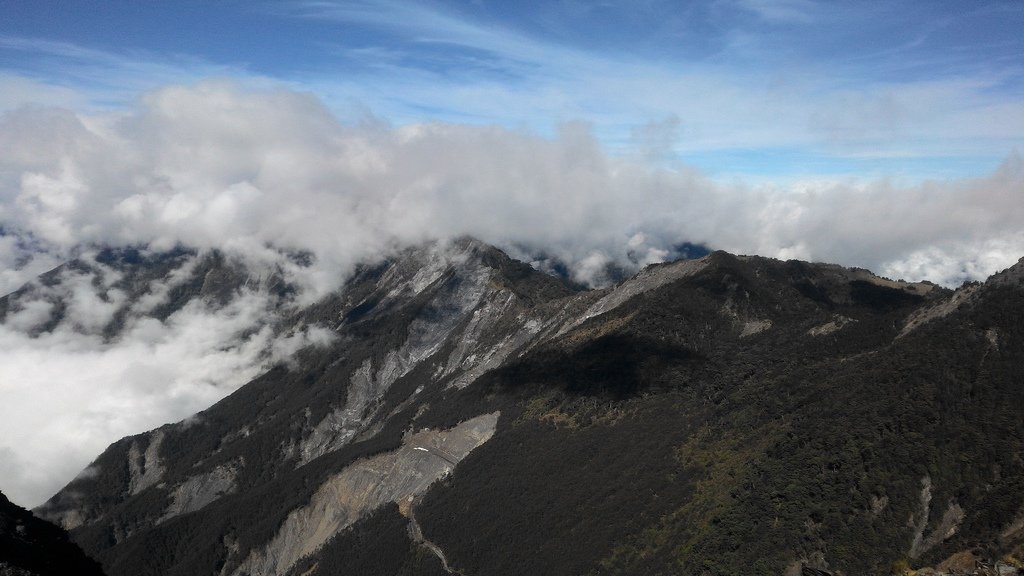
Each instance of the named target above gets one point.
<point>341,425</point>
<point>397,476</point>
<point>145,468</point>
<point>200,491</point>
<point>648,279</point>
<point>425,336</point>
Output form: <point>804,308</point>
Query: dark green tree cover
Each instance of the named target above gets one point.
<point>780,446</point>
<point>37,547</point>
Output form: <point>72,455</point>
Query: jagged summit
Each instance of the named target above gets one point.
<point>724,414</point>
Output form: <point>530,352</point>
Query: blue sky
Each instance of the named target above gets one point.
<point>757,89</point>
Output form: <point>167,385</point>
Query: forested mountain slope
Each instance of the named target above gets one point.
<point>33,547</point>
<point>471,415</point>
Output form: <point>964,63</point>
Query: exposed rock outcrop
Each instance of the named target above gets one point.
<point>424,457</point>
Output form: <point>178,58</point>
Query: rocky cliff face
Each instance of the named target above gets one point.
<point>719,415</point>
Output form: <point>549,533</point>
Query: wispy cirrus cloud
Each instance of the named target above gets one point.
<point>790,11</point>
<point>769,94</point>
<point>94,77</point>
<point>424,24</point>
<point>858,86</point>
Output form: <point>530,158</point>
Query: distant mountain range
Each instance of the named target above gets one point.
<point>472,415</point>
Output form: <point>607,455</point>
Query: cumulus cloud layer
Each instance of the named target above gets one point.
<point>69,388</point>
<point>215,166</point>
<point>255,172</point>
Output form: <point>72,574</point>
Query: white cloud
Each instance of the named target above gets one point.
<point>250,172</point>
<point>951,263</point>
<point>215,165</point>
<point>19,92</point>
<point>69,393</point>
<point>31,316</point>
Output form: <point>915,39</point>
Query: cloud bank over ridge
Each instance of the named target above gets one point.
<point>256,172</point>
<point>215,165</point>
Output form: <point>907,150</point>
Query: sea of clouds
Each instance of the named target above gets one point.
<point>258,173</point>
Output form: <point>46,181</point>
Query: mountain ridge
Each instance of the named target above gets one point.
<point>694,377</point>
